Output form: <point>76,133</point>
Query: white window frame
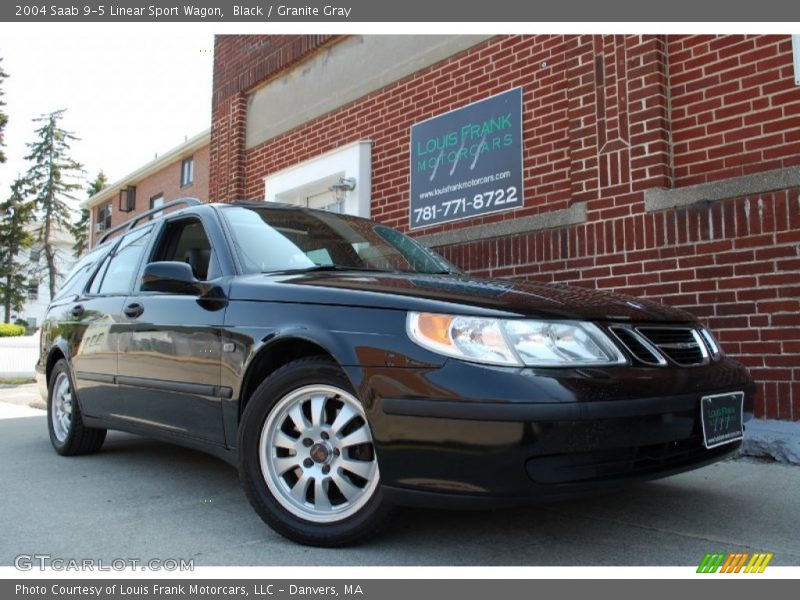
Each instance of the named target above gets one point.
<point>295,184</point>
<point>187,171</point>
<point>157,200</point>
<point>796,56</point>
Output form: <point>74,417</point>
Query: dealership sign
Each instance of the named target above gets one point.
<point>467,162</point>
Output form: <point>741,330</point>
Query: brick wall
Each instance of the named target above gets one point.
<point>735,106</point>
<point>166,181</point>
<point>605,118</point>
<point>735,264</point>
<point>242,63</point>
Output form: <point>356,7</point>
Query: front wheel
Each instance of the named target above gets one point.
<point>307,458</point>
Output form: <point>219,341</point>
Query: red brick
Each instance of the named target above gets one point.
<point>734,111</point>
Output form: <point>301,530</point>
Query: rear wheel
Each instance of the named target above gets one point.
<point>68,434</point>
<point>308,461</point>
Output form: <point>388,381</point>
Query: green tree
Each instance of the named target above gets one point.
<point>51,183</point>
<point>3,115</point>
<point>81,228</point>
<point>15,215</point>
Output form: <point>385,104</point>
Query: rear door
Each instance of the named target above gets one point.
<point>74,319</point>
<point>169,365</point>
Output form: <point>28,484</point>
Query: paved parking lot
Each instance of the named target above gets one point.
<point>143,499</point>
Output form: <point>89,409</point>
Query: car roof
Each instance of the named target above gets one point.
<point>157,214</point>
<point>283,206</point>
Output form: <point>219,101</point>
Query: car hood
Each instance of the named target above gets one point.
<point>454,293</point>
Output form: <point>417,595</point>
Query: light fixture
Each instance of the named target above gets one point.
<point>341,187</point>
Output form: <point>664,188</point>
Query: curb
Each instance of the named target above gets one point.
<point>779,440</point>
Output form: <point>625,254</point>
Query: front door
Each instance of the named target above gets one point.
<point>169,346</point>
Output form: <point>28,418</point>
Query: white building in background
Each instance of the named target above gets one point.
<point>38,284</point>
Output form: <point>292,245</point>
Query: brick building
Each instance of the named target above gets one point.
<point>182,171</point>
<point>659,166</point>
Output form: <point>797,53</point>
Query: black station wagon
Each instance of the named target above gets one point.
<point>346,369</point>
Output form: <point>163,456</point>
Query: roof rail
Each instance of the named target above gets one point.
<point>131,223</point>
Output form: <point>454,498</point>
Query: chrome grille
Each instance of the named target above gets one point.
<point>682,345</point>
<point>638,347</point>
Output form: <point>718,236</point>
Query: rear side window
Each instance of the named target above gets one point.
<point>79,276</point>
<point>116,275</point>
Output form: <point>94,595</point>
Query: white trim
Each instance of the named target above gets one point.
<point>189,147</point>
<point>296,183</point>
<point>796,55</point>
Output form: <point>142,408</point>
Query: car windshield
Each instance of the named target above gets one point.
<point>269,240</point>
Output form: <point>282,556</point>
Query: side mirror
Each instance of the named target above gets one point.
<point>171,277</point>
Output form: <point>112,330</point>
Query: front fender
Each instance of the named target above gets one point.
<point>355,337</point>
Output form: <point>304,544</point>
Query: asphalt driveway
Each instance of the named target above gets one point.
<point>144,499</point>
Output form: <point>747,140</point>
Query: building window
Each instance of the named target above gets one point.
<point>187,171</point>
<point>104,217</point>
<point>313,183</point>
<point>127,199</point>
<point>33,289</point>
<point>155,202</point>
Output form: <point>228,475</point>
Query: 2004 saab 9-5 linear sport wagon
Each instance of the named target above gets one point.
<point>346,369</point>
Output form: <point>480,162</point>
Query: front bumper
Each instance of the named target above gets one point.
<point>467,433</point>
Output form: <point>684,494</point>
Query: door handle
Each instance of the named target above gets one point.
<point>133,310</point>
<point>78,310</point>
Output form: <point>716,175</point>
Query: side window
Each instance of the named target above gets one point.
<point>116,274</point>
<point>185,240</point>
<point>94,288</point>
<point>79,275</point>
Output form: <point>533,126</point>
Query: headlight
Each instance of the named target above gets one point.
<point>514,342</point>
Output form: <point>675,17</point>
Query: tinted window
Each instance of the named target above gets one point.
<point>98,277</point>
<point>280,239</point>
<point>77,278</point>
<point>119,272</point>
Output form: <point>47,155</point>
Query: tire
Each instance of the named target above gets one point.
<point>301,433</point>
<point>68,434</point>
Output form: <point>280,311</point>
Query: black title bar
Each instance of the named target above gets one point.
<point>441,11</point>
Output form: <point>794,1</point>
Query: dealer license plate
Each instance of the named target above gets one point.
<point>721,416</point>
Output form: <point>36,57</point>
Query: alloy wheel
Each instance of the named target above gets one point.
<point>61,411</point>
<point>317,455</point>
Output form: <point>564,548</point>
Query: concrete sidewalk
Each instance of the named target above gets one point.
<point>18,355</point>
<point>26,394</point>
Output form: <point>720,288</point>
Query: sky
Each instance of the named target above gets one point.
<point>130,92</point>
